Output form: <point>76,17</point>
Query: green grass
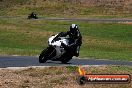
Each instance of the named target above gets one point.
<point>100,40</point>
<point>65,8</point>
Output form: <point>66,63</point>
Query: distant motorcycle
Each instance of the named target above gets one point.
<point>56,51</point>
<point>32,16</point>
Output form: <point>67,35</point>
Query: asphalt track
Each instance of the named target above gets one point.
<point>27,61</point>
<point>94,20</point>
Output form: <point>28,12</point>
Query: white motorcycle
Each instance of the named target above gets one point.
<point>55,50</point>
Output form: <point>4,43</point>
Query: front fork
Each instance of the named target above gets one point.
<point>51,52</point>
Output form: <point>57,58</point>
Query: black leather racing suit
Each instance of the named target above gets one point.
<point>75,42</point>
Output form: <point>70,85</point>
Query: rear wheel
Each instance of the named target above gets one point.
<point>36,17</point>
<point>65,59</point>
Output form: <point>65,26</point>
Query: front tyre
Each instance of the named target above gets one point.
<point>42,57</point>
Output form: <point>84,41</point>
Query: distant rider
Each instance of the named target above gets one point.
<point>75,39</point>
<point>32,15</point>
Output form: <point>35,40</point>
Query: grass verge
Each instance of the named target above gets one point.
<point>67,8</point>
<point>54,77</point>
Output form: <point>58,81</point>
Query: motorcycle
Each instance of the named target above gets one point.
<point>56,50</point>
<point>32,16</point>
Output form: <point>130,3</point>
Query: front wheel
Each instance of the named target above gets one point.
<point>42,57</point>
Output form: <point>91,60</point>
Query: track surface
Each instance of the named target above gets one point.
<point>90,20</point>
<point>95,20</point>
<point>25,61</point>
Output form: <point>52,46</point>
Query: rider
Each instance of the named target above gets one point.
<point>33,15</point>
<point>75,39</point>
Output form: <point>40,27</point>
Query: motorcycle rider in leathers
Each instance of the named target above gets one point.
<point>75,40</point>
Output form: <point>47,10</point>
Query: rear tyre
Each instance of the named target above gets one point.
<point>65,60</point>
<point>36,17</point>
<point>42,57</point>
